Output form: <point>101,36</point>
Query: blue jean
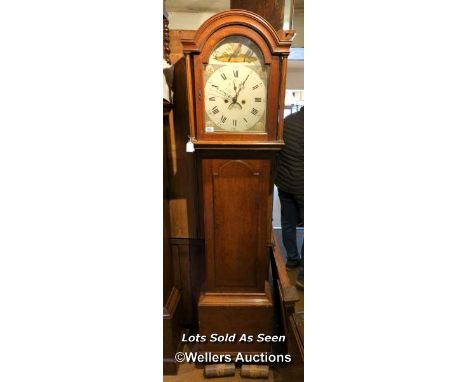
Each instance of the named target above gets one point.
<point>292,213</point>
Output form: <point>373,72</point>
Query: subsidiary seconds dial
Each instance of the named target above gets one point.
<point>235,99</point>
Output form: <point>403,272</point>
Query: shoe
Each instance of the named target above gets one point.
<point>300,283</point>
<point>291,264</point>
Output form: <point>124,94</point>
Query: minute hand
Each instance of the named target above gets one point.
<point>242,85</point>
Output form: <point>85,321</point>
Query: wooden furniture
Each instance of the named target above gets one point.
<point>236,73</point>
<point>279,13</point>
<point>273,11</point>
<point>297,325</point>
<point>291,323</point>
<point>172,309</point>
<point>184,227</point>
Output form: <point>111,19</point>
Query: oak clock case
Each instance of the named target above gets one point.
<point>236,67</point>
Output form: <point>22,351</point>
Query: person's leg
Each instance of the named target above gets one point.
<point>300,275</point>
<point>289,216</point>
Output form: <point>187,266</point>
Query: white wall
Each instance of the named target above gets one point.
<point>295,79</point>
<point>193,20</point>
<point>188,20</point>
<point>298,25</point>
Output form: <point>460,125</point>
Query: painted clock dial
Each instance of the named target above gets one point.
<point>236,84</point>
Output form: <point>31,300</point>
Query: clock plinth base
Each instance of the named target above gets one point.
<point>235,314</point>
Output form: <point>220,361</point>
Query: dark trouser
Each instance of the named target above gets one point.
<point>292,213</point>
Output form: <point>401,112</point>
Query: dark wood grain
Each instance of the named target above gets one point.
<point>172,331</point>
<point>172,311</point>
<point>188,273</point>
<point>297,325</point>
<point>168,281</point>
<point>271,10</point>
<point>238,314</point>
<point>236,226</point>
<point>166,48</point>
<point>183,194</point>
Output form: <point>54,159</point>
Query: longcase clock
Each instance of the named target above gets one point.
<point>236,66</point>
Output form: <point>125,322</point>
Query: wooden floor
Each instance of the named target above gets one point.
<point>293,274</point>
<point>188,372</point>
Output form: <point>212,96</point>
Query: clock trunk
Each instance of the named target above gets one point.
<point>237,204</point>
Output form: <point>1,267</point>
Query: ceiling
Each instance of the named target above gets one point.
<point>207,5</point>
<point>197,5</point>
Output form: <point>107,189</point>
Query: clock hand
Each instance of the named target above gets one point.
<point>234,102</point>
<point>225,94</point>
<point>246,78</point>
<point>242,85</point>
<point>217,95</point>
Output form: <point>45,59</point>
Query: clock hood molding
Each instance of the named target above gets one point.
<point>275,50</point>
<point>277,45</point>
